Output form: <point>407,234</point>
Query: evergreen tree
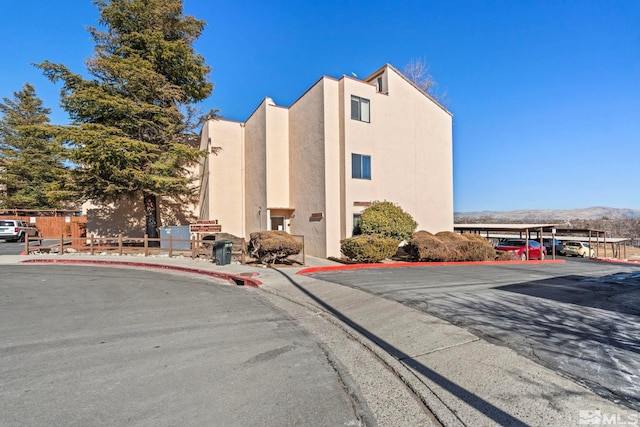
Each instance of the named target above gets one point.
<point>130,120</point>
<point>32,170</point>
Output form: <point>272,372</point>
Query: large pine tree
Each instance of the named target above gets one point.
<point>130,119</point>
<point>32,170</point>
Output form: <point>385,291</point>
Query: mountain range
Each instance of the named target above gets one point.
<point>596,212</point>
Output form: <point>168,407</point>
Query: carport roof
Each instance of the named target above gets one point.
<point>504,227</point>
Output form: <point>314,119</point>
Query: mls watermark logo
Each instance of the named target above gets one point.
<point>590,418</point>
<point>598,418</point>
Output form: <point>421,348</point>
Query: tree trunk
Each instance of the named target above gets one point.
<point>151,217</point>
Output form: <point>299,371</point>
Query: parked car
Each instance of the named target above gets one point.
<point>578,249</point>
<point>518,247</point>
<point>16,230</point>
<point>549,243</point>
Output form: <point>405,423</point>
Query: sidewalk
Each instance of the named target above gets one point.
<point>461,378</point>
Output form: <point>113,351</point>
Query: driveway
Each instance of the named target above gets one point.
<point>84,345</point>
<point>580,318</point>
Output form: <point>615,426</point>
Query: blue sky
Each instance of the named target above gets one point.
<point>545,94</point>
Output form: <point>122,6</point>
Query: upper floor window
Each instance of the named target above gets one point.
<point>359,108</point>
<point>360,166</point>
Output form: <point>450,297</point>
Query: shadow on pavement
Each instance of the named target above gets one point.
<point>618,293</point>
<point>489,410</point>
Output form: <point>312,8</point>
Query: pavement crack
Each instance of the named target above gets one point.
<point>441,349</point>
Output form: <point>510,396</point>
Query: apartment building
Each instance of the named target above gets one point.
<point>311,168</point>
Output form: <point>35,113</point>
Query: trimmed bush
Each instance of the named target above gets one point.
<point>424,246</point>
<point>270,247</point>
<point>478,248</point>
<point>447,246</point>
<point>368,248</point>
<point>505,256</point>
<point>387,220</point>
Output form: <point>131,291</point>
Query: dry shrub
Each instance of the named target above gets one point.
<point>504,256</point>
<point>449,246</point>
<point>455,244</point>
<point>273,246</point>
<point>424,246</point>
<point>368,248</point>
<point>477,248</point>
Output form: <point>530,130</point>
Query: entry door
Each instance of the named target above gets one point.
<point>277,223</point>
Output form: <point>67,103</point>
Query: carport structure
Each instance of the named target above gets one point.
<point>535,232</point>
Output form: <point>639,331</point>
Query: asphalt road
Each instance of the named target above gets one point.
<point>11,248</point>
<point>580,318</point>
<point>86,345</point>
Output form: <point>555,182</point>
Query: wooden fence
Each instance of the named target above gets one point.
<point>146,246</point>
<point>55,226</point>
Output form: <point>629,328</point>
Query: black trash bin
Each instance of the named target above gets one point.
<point>222,252</point>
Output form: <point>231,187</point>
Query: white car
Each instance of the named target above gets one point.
<point>17,230</point>
<point>578,249</point>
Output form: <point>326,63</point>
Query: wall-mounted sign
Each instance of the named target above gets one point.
<point>316,216</point>
<point>207,221</point>
<point>365,204</point>
<point>205,228</point>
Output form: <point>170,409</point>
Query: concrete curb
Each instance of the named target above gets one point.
<point>420,264</point>
<point>238,279</point>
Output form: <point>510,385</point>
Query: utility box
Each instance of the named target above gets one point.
<point>222,252</point>
<point>177,232</point>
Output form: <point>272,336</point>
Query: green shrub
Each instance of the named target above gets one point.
<point>387,220</point>
<point>272,246</point>
<point>368,248</point>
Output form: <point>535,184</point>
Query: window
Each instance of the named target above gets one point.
<point>356,224</point>
<point>379,83</point>
<point>360,166</point>
<point>359,109</point>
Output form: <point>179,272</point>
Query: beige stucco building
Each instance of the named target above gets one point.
<point>312,168</point>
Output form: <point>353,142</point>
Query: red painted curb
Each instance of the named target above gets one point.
<point>238,279</point>
<point>619,261</point>
<point>420,264</point>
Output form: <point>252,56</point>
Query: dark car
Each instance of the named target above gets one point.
<point>549,243</point>
<point>518,247</point>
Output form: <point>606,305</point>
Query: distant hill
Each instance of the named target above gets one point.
<point>597,212</point>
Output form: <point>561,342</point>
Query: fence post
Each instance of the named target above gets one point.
<point>26,245</point>
<point>243,256</point>
<point>61,252</point>
<point>146,245</point>
<point>91,244</point>
<point>170,246</point>
<point>193,247</point>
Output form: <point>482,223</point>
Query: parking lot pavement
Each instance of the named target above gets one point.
<point>579,318</point>
<point>109,346</point>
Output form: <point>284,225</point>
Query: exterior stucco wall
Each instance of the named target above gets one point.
<point>307,169</point>
<point>333,171</point>
<point>360,138</point>
<point>277,138</point>
<point>225,179</point>
<point>410,144</point>
<point>256,171</point>
<point>430,159</point>
<point>300,159</point>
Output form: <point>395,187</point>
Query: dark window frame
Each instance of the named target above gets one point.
<point>360,166</point>
<point>358,112</point>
